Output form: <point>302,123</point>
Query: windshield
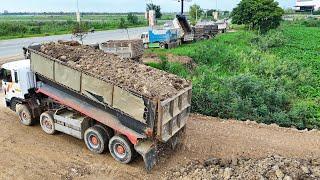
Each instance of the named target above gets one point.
<point>5,75</point>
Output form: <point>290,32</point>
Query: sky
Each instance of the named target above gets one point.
<point>115,5</point>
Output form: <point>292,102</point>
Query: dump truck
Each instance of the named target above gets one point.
<point>222,25</point>
<point>132,49</point>
<point>185,30</point>
<point>83,92</point>
<point>160,38</point>
<point>205,31</point>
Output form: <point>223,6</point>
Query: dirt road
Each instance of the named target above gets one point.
<point>28,153</point>
<point>10,58</point>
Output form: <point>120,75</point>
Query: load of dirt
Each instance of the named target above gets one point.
<point>135,44</point>
<point>271,167</point>
<point>125,73</point>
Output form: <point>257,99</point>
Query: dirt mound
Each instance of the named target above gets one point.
<point>135,44</point>
<point>271,167</point>
<point>128,74</point>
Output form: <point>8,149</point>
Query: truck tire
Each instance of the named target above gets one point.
<point>108,131</point>
<point>47,123</point>
<point>121,149</point>
<point>13,104</point>
<point>146,46</point>
<point>96,139</point>
<point>24,114</point>
<point>162,46</point>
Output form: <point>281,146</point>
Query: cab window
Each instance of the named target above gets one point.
<point>16,77</point>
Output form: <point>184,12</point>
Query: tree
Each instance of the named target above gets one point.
<point>156,8</point>
<point>195,12</point>
<point>261,15</point>
<point>132,18</point>
<point>122,23</point>
<point>210,12</point>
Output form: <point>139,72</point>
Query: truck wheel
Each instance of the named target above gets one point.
<point>24,114</point>
<point>121,149</point>
<point>146,46</point>
<point>47,123</point>
<point>13,105</point>
<point>108,131</point>
<point>96,139</point>
<point>162,46</point>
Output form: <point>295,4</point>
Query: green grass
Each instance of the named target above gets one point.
<point>18,26</point>
<point>30,25</point>
<point>273,78</point>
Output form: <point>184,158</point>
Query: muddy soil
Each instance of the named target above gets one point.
<point>145,80</point>
<point>29,153</point>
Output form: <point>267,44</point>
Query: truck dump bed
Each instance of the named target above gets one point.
<point>139,96</point>
<point>132,49</point>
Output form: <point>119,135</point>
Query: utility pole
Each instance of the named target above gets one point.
<point>217,5</point>
<point>78,31</point>
<point>182,6</point>
<point>197,15</point>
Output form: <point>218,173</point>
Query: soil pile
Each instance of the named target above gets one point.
<point>136,46</point>
<point>125,73</point>
<point>272,167</point>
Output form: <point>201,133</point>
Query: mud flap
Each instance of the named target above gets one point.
<point>148,151</point>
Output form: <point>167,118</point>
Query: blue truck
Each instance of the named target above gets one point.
<point>161,38</point>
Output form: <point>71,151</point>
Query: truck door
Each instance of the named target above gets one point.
<point>10,84</point>
<point>145,38</point>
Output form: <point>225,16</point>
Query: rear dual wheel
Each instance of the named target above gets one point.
<point>96,139</point>
<point>121,149</point>
<point>47,122</point>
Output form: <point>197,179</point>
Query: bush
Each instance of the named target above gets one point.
<point>311,23</point>
<point>272,39</point>
<point>132,19</point>
<point>122,23</point>
<point>12,28</point>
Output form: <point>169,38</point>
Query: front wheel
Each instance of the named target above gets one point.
<point>24,115</point>
<point>121,149</point>
<point>162,46</point>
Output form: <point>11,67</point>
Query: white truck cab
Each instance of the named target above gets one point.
<point>17,79</point>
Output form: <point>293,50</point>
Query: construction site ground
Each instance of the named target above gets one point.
<point>29,153</point>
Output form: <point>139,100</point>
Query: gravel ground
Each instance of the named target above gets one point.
<point>272,167</point>
<point>145,80</point>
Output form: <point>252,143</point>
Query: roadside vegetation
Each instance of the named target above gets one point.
<point>17,26</point>
<point>269,78</point>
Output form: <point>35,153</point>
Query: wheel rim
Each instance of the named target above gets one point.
<point>47,123</point>
<point>94,141</point>
<point>119,150</point>
<point>24,117</point>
